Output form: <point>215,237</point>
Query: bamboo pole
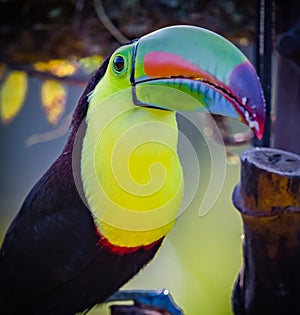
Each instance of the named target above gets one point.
<point>268,198</point>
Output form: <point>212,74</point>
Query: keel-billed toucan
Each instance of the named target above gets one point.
<point>101,211</point>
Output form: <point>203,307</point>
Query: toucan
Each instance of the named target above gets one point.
<point>101,211</point>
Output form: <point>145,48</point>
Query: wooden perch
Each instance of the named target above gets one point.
<point>268,198</point>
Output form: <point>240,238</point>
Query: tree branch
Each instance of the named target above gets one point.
<point>108,24</point>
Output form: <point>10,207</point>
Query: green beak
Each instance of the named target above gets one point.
<point>196,70</point>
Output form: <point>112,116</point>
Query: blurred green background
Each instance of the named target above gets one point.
<point>201,257</point>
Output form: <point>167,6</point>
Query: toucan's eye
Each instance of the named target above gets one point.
<point>119,63</point>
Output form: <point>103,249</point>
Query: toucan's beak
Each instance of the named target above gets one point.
<point>186,68</point>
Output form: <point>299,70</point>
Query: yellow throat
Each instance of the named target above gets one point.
<point>131,173</point>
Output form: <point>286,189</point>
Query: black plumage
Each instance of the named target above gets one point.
<point>52,260</point>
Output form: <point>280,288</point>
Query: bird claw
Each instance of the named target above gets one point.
<point>159,299</point>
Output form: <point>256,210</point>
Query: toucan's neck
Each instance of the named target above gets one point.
<point>131,173</point>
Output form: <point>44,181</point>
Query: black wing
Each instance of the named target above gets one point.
<point>50,242</point>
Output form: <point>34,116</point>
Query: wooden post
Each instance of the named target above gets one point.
<point>268,198</point>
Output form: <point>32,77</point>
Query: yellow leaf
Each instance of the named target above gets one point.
<point>12,95</point>
<point>53,96</point>
<point>58,67</point>
<point>89,64</point>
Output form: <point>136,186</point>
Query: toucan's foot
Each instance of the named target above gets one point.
<point>159,299</point>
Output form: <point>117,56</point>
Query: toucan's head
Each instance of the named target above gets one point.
<point>162,66</point>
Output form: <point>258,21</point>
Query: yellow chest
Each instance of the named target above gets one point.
<point>131,173</point>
